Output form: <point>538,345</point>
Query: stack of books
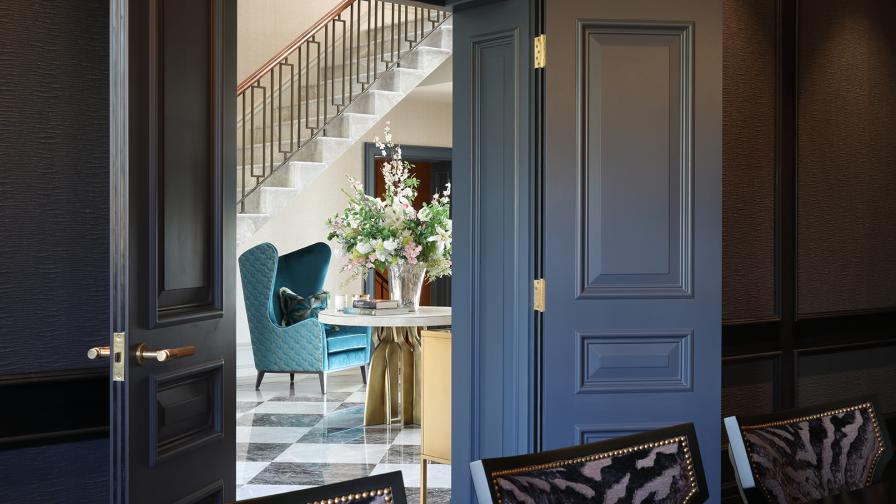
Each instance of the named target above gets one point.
<point>375,307</point>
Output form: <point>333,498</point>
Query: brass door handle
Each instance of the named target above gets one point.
<point>100,352</point>
<point>163,355</point>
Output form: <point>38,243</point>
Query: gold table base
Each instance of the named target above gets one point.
<point>393,382</point>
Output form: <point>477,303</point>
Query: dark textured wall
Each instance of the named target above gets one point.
<point>54,86</point>
<point>748,266</point>
<point>54,209</point>
<point>809,211</point>
<point>847,156</point>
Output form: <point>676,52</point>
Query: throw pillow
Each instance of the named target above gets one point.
<point>296,308</point>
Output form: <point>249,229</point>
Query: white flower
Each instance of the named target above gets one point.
<point>423,214</point>
<point>363,248</point>
<point>390,245</point>
<point>442,237</point>
<point>393,217</point>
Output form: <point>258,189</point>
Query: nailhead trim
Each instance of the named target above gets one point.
<point>869,476</point>
<point>680,440</point>
<point>387,492</point>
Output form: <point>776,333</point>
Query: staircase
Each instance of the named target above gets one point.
<point>302,110</point>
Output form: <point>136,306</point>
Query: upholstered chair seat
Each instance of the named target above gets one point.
<point>303,347</point>
<point>655,467</point>
<point>801,456</point>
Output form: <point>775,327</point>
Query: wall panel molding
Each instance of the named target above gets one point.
<point>846,215</point>
<point>659,58</point>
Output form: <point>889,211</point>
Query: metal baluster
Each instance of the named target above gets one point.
<point>343,102</point>
<point>264,145</point>
<point>243,198</point>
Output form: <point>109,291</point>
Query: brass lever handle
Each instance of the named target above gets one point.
<point>163,355</point>
<point>100,352</point>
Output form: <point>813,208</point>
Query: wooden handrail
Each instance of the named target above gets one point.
<point>286,51</point>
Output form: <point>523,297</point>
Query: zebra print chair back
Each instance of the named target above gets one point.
<point>804,455</point>
<point>657,467</point>
<point>386,488</point>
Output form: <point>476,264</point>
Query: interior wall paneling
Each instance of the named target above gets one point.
<point>54,216</point>
<point>846,155</point>
<point>834,218</point>
<point>826,374</point>
<point>750,158</point>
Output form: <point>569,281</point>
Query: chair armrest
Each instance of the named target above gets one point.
<point>299,347</point>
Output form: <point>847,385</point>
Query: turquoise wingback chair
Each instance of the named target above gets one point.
<point>305,347</point>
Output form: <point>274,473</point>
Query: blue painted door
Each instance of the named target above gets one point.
<point>632,221</point>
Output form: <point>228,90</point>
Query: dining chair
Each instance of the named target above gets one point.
<point>658,466</point>
<point>803,455</point>
<point>386,488</point>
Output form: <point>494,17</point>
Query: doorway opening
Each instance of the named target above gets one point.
<point>308,428</point>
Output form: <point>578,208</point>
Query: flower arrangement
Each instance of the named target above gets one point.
<point>386,232</point>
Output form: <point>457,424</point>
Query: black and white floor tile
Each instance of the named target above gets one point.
<point>291,437</point>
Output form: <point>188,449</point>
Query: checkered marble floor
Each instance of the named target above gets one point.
<point>291,437</point>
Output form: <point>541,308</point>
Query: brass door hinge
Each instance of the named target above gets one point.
<point>538,295</point>
<point>540,51</point>
<point>118,356</point>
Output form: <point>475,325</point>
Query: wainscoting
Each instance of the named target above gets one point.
<point>809,218</point>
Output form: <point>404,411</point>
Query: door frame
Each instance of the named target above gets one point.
<point>118,241</point>
<point>500,377</point>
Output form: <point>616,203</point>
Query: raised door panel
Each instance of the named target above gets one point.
<point>636,160</point>
<point>185,162</point>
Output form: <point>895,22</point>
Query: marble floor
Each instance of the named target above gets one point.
<point>291,437</point>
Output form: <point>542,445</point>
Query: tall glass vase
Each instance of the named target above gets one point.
<point>405,284</point>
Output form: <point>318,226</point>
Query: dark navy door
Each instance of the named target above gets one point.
<point>632,220</point>
<point>173,256</point>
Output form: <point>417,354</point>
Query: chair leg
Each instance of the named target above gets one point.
<point>258,379</point>
<point>292,377</point>
<point>364,374</point>
<point>323,382</point>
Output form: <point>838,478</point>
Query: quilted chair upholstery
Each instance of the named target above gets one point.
<point>304,347</point>
<point>800,456</point>
<point>659,467</point>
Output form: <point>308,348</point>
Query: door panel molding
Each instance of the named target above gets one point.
<point>591,433</point>
<point>211,494</point>
<point>634,361</point>
<point>185,410</point>
<point>606,173</point>
<point>185,167</point>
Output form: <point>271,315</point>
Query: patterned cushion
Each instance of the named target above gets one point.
<point>808,458</point>
<point>296,308</point>
<point>654,473</point>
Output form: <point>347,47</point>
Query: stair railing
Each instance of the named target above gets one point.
<point>296,95</point>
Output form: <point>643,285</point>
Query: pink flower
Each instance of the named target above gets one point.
<point>411,251</point>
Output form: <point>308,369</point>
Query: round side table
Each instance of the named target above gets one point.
<point>395,363</point>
